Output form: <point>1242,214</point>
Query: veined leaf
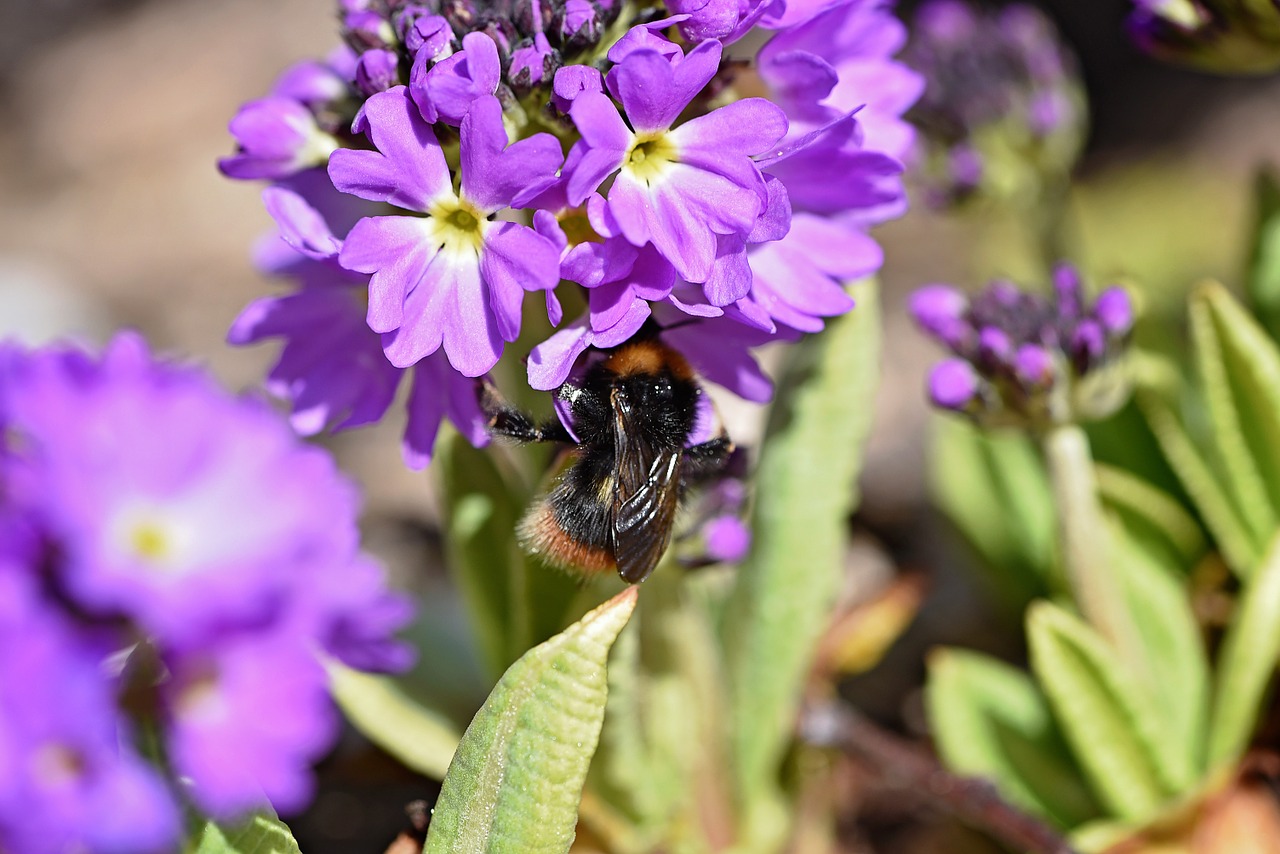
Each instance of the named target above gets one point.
<point>1105,720</point>
<point>990,720</point>
<point>787,589</point>
<point>1262,276</point>
<point>994,489</point>
<point>1251,363</point>
<point>1229,530</point>
<point>260,834</point>
<point>1170,663</point>
<point>419,737</point>
<point>1241,476</point>
<point>1146,509</point>
<point>1248,659</point>
<point>515,782</point>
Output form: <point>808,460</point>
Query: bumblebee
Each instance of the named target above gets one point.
<point>632,412</point>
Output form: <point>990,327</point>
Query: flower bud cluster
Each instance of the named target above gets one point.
<point>1003,107</point>
<point>1225,36</point>
<point>1027,359</point>
<point>173,561</point>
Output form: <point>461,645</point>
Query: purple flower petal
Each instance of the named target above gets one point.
<point>514,259</point>
<point>747,127</point>
<point>301,226</point>
<point>407,170</point>
<point>398,252</point>
<point>572,81</point>
<point>450,87</point>
<point>654,91</point>
<point>551,361</point>
<point>493,173</point>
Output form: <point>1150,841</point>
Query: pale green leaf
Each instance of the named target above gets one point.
<point>516,779</point>
<point>1262,276</point>
<point>1229,531</point>
<point>1248,659</point>
<point>1241,476</point>
<point>989,720</point>
<point>994,489</point>
<point>1107,722</point>
<point>1251,363</point>
<point>1150,513</point>
<point>1169,661</point>
<point>807,488</point>
<point>421,738</point>
<point>260,834</point>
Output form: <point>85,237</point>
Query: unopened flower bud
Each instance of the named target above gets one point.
<point>367,30</point>
<point>377,71</point>
<point>954,384</point>
<point>940,310</point>
<point>578,24</point>
<point>533,63</point>
<point>1114,311</point>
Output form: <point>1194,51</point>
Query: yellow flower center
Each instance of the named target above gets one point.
<point>577,228</point>
<point>649,156</point>
<point>151,542</point>
<point>458,226</point>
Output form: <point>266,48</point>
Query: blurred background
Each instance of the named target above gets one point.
<point>112,214</point>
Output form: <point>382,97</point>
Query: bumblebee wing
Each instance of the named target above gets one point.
<point>646,490</point>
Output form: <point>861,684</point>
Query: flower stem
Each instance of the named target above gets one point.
<point>1083,538</point>
<point>972,800</point>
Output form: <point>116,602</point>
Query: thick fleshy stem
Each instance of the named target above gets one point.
<point>972,800</point>
<point>1083,539</point>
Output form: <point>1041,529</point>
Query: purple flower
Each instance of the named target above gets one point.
<point>840,61</point>
<point>196,526</point>
<point>332,368</point>
<point>452,279</point>
<point>680,188</point>
<point>211,524</point>
<point>245,718</point>
<point>447,91</point>
<point>313,84</point>
<point>66,781</point>
<point>277,137</point>
<point>728,539</point>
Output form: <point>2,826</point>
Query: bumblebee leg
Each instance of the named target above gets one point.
<point>707,458</point>
<point>505,420</point>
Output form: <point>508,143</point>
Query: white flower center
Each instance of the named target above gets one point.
<point>458,226</point>
<point>650,156</point>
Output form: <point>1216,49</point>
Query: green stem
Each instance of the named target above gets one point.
<point>1083,539</point>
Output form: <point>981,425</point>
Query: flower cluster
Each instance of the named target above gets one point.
<point>1022,358</point>
<point>1003,109</point>
<point>1225,36</point>
<point>172,560</point>
<point>454,157</point>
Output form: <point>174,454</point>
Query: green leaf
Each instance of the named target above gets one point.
<point>1229,530</point>
<point>1151,515</point>
<point>421,738</point>
<point>989,720</point>
<point>514,602</point>
<point>1248,659</point>
<point>662,752</point>
<point>1262,275</point>
<point>516,779</point>
<point>1251,364</point>
<point>261,834</point>
<point>994,489</point>
<point>1105,720</point>
<point>1169,661</point>
<point>807,488</point>
<point>1214,357</point>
